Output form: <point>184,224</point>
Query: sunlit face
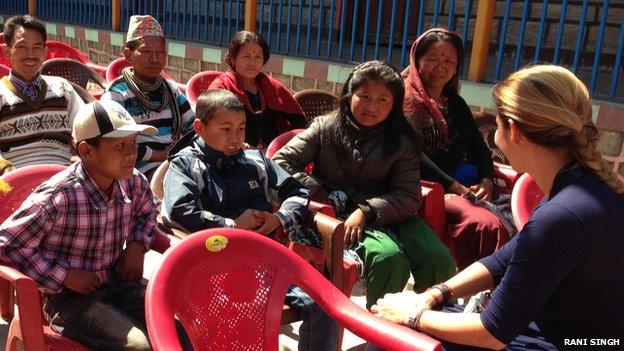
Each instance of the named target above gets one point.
<point>111,159</point>
<point>371,103</point>
<point>224,132</point>
<point>149,58</point>
<point>26,54</point>
<point>249,61</point>
<point>438,65</point>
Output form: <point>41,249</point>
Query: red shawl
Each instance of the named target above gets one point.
<point>417,103</point>
<point>273,93</point>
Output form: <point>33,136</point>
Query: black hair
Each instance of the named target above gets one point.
<point>439,36</point>
<point>133,44</point>
<point>241,38</point>
<point>395,124</point>
<point>212,101</point>
<point>25,21</point>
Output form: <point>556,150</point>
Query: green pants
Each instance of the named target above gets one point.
<point>388,258</point>
<point>430,260</point>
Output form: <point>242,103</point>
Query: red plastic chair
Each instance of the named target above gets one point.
<point>227,287</point>
<point>4,70</point>
<point>3,59</point>
<point>113,71</point>
<point>199,83</point>
<point>315,102</point>
<point>29,329</point>
<point>57,49</point>
<point>525,197</point>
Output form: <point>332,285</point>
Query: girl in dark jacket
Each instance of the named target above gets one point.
<point>366,165</point>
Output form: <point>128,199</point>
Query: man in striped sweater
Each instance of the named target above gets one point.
<point>36,111</point>
<point>147,96</point>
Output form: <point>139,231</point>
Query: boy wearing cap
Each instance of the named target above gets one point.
<point>147,96</point>
<point>36,111</point>
<point>69,234</point>
<point>215,183</point>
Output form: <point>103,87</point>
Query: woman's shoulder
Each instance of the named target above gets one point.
<point>221,80</point>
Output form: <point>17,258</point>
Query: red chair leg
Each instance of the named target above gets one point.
<point>6,300</point>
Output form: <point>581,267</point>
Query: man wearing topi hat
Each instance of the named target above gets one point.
<point>147,96</point>
<point>69,234</point>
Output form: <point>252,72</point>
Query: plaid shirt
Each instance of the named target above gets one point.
<point>68,222</point>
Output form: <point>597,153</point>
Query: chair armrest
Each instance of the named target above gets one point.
<point>332,232</point>
<point>163,240</point>
<point>29,304</point>
<point>432,210</point>
<point>379,332</point>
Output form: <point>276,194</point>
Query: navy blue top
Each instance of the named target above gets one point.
<point>565,269</point>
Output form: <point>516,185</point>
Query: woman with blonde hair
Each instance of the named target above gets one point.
<point>554,284</point>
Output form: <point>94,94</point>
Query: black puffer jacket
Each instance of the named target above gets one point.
<point>390,186</point>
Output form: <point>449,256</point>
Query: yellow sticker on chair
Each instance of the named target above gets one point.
<point>216,243</point>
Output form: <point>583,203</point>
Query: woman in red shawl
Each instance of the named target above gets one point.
<point>457,156</point>
<point>269,106</point>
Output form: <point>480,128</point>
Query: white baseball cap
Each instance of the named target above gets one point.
<point>108,119</point>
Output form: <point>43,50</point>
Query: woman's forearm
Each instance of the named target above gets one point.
<point>473,279</point>
<point>459,328</point>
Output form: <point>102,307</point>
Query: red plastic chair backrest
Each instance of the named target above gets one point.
<point>227,288</point>
<point>23,181</point>
<point>4,70</point>
<point>526,195</point>
<point>282,140</point>
<point>57,49</point>
<point>3,59</point>
<point>199,83</point>
<point>113,71</point>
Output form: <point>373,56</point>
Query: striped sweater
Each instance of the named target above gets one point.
<point>37,131</point>
<point>120,92</point>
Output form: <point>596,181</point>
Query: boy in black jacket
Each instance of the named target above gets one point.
<point>214,182</point>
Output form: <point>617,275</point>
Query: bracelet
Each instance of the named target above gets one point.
<point>413,322</point>
<point>447,293</point>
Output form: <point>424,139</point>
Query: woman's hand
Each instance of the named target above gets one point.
<point>354,227</point>
<point>401,306</point>
<point>457,188</point>
<point>483,190</point>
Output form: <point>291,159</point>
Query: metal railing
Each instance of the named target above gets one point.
<point>585,35</point>
<point>575,38</point>
<point>205,21</point>
<point>87,13</point>
<point>13,7</point>
<point>355,31</point>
